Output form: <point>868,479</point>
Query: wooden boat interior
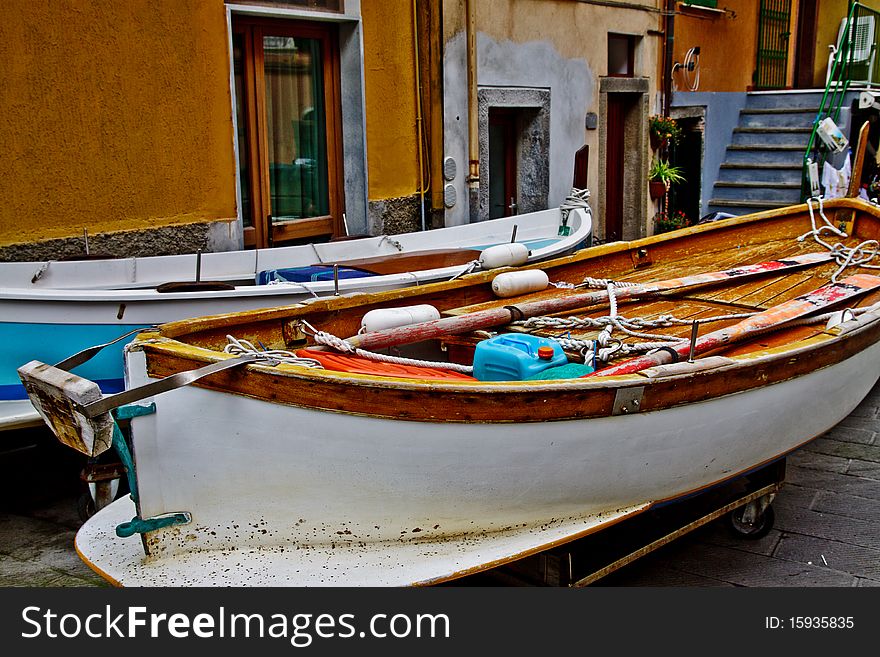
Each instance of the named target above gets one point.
<point>729,243</point>
<point>415,261</point>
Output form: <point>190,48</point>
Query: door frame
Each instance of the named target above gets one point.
<point>636,156</point>
<point>765,22</point>
<point>261,234</point>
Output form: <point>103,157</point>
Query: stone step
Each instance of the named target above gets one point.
<point>777,118</point>
<point>771,173</point>
<point>785,193</point>
<point>777,136</point>
<point>739,208</point>
<point>786,99</point>
<point>765,154</point>
<point>763,184</point>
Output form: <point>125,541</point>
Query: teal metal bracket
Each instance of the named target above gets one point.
<point>137,525</point>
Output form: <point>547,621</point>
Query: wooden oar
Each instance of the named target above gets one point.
<point>504,315</point>
<point>855,179</point>
<point>771,318</point>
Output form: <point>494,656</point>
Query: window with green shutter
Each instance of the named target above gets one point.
<point>703,3</point>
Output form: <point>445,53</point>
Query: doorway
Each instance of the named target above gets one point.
<point>774,33</point>
<point>502,162</point>
<point>288,114</point>
<point>623,158</point>
<point>614,170</point>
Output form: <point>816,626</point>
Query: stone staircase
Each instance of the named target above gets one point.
<point>762,166</point>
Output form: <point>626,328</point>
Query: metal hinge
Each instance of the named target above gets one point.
<point>628,400</point>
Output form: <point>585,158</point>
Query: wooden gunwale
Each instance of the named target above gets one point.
<point>784,354</point>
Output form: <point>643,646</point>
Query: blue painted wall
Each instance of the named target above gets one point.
<point>722,116</point>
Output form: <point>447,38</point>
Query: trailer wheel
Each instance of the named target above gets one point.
<point>85,506</point>
<point>752,531</point>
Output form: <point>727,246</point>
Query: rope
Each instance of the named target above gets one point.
<point>337,343</point>
<point>599,283</point>
<point>468,268</point>
<point>277,280</point>
<point>578,199</point>
<point>844,256</point>
<point>238,347</point>
<point>393,242</point>
<point>630,326</point>
<point>607,347</point>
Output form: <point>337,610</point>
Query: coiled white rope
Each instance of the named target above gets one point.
<point>239,347</point>
<point>578,199</point>
<point>844,256</point>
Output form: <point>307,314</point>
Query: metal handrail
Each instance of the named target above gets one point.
<point>835,89</point>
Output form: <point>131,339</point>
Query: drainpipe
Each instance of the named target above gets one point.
<point>423,188</point>
<point>669,29</point>
<point>473,179</point>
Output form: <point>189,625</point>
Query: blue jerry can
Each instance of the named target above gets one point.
<point>515,356</point>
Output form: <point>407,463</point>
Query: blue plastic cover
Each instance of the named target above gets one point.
<point>308,274</point>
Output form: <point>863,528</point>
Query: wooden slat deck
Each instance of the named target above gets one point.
<point>748,295</point>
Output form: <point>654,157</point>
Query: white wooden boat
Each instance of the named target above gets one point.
<point>268,473</point>
<point>50,310</point>
<point>538,230</point>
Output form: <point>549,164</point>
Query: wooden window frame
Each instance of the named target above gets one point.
<point>630,54</point>
<point>262,233</point>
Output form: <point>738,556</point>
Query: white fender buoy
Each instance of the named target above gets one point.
<point>385,318</point>
<point>512,283</point>
<point>512,254</point>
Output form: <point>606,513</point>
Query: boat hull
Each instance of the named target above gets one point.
<point>330,483</point>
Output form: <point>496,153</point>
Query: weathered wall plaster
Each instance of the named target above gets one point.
<point>570,82</point>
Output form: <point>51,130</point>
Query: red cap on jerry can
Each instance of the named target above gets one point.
<point>545,352</point>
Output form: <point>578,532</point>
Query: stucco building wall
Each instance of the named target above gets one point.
<point>558,46</point>
<point>97,118</point>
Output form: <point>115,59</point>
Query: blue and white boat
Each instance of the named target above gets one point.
<point>49,310</point>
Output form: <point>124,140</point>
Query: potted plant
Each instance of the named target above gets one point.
<point>674,221</point>
<point>661,176</point>
<point>663,130</point>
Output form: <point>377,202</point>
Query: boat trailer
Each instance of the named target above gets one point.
<point>743,503</point>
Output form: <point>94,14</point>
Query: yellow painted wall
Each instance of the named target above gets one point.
<point>389,80</point>
<point>831,12</point>
<point>728,44</point>
<point>113,115</point>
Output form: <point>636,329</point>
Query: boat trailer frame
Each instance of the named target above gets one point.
<point>745,500</point>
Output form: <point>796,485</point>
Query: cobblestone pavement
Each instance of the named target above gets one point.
<point>826,533</point>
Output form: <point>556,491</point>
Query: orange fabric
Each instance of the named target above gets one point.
<point>357,365</point>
